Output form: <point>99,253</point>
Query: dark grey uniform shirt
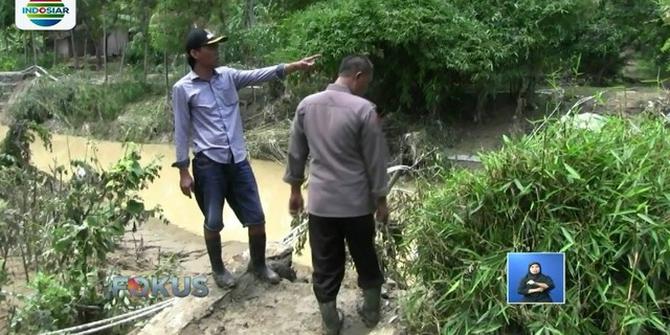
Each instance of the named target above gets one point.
<point>349,155</point>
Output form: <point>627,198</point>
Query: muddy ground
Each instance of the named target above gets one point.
<point>253,307</point>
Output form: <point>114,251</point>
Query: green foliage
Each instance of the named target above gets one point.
<point>135,51</point>
<point>163,29</point>
<point>97,208</point>
<point>76,101</point>
<point>143,122</point>
<point>608,33</point>
<point>70,227</point>
<point>250,45</point>
<point>10,62</point>
<point>40,312</point>
<point>426,50</point>
<point>170,20</point>
<point>540,193</point>
<point>64,225</point>
<point>6,14</point>
<point>16,146</point>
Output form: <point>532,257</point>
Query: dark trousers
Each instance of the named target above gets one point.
<point>326,239</point>
<point>216,183</point>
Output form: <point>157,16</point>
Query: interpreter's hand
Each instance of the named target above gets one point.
<point>530,282</point>
<point>296,204</point>
<point>186,183</point>
<point>382,214</point>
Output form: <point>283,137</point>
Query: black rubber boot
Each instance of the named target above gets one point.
<point>222,277</point>
<point>257,259</point>
<point>331,317</point>
<point>371,309</point>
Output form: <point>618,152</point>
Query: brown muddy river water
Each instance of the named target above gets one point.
<point>164,191</point>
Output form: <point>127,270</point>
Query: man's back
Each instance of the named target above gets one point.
<point>348,152</point>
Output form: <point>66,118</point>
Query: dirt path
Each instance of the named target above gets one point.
<point>251,308</point>
<point>259,308</point>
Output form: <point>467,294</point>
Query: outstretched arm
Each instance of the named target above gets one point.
<point>244,78</point>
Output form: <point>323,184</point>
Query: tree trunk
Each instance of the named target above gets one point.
<point>6,36</point>
<point>123,58</point>
<point>600,76</point>
<point>74,49</point>
<point>43,51</point>
<point>25,255</point>
<point>25,51</point>
<point>96,46</point>
<point>249,17</point>
<point>104,50</point>
<point>167,79</point>
<point>98,58</point>
<point>482,99</point>
<point>145,35</point>
<point>33,221</point>
<point>521,99</point>
<point>55,59</point>
<point>85,55</point>
<point>32,43</point>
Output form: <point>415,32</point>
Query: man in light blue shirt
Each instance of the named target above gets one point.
<point>206,109</point>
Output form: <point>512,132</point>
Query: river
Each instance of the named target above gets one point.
<point>164,191</point>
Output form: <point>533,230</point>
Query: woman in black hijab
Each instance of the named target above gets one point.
<point>535,286</point>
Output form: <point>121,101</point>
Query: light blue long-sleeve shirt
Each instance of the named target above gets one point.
<point>209,113</point>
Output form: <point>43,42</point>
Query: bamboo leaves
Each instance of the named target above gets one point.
<point>600,197</point>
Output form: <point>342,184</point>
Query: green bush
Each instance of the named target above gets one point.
<point>49,309</point>
<point>142,122</point>
<point>599,196</point>
<point>428,50</point>
<point>11,62</point>
<point>76,101</point>
<point>611,29</point>
<point>67,224</point>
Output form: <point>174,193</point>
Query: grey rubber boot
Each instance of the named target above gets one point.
<point>224,279</point>
<point>331,317</point>
<point>370,310</point>
<point>257,260</point>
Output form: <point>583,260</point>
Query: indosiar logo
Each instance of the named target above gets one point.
<point>46,14</point>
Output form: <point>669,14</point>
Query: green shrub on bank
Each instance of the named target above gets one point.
<point>599,196</point>
<point>145,121</point>
<point>51,309</point>
<point>66,224</point>
<point>75,101</point>
<point>428,51</point>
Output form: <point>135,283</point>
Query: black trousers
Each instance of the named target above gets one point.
<point>326,239</point>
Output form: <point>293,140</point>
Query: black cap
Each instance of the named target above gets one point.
<point>198,38</point>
